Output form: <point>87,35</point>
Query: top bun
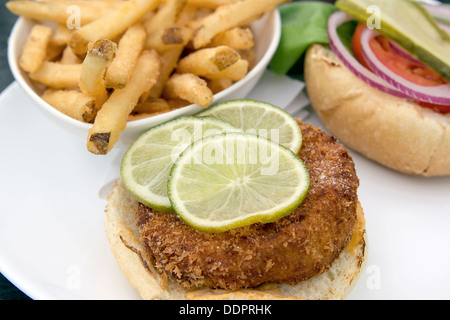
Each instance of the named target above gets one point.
<point>394,132</point>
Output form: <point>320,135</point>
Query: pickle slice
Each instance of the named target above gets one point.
<point>408,24</point>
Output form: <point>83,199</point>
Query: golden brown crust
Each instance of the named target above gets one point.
<point>331,281</point>
<point>301,245</point>
<point>394,132</point>
<point>122,235</point>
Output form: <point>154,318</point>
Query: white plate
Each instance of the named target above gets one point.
<point>53,194</point>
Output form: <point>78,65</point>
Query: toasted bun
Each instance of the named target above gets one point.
<point>392,131</point>
<point>136,265</point>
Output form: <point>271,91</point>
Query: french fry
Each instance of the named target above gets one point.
<point>113,24</point>
<point>177,36</point>
<point>161,30</point>
<point>152,106</point>
<point>200,14</point>
<point>169,38</point>
<point>177,103</point>
<point>56,11</point>
<point>249,55</point>
<point>61,36</point>
<point>169,60</point>
<point>168,54</point>
<point>210,4</point>
<point>165,17</point>
<point>188,14</point>
<point>220,84</point>
<point>112,118</point>
<point>57,75</point>
<point>189,87</point>
<point>99,56</point>
<point>208,61</point>
<point>53,52</point>
<point>236,38</point>
<point>68,57</point>
<point>35,51</point>
<point>129,48</point>
<point>73,103</point>
<point>234,72</point>
<point>231,16</point>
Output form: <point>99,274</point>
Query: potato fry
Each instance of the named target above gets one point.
<point>165,17</point>
<point>53,52</point>
<point>57,75</point>
<point>61,35</point>
<point>177,103</point>
<point>208,61</point>
<point>161,30</point>
<point>231,16</point>
<point>73,103</point>
<point>129,48</point>
<point>236,38</point>
<point>188,14</point>
<point>68,57</point>
<point>218,85</point>
<point>167,39</point>
<point>210,4</point>
<point>115,61</point>
<point>112,118</point>
<point>152,106</point>
<point>169,60</point>
<point>56,11</point>
<point>113,24</point>
<point>99,56</point>
<point>189,87</point>
<point>234,72</point>
<point>35,50</point>
<point>250,56</point>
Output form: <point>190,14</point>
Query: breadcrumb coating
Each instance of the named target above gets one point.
<point>299,246</point>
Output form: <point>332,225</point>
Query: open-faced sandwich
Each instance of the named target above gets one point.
<point>379,81</point>
<point>239,202</point>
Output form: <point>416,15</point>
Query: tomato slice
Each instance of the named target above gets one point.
<point>412,71</point>
<point>435,107</point>
<point>356,45</point>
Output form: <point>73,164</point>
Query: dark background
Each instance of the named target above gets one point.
<point>7,290</point>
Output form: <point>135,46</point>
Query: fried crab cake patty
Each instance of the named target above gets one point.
<point>292,249</point>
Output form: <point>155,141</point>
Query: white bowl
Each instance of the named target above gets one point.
<point>267,32</point>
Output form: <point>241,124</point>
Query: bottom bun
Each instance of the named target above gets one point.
<point>392,131</point>
<point>136,265</point>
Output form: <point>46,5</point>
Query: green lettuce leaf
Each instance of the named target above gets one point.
<point>303,23</point>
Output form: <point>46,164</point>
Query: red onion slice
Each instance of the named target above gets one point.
<point>435,95</point>
<point>335,20</point>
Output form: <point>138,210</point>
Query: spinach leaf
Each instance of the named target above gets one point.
<point>303,23</point>
<point>345,32</point>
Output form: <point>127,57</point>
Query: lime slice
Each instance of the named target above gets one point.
<point>260,118</point>
<point>232,180</point>
<point>147,163</point>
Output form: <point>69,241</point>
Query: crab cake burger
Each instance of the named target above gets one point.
<point>316,250</point>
